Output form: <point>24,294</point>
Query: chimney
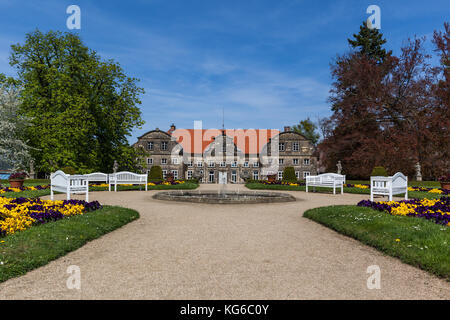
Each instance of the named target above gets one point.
<point>287,128</point>
<point>172,129</point>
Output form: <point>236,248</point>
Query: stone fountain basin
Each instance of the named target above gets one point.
<point>226,197</point>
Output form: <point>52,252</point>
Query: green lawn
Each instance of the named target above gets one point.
<point>260,186</point>
<point>37,246</point>
<point>28,182</point>
<point>423,243</point>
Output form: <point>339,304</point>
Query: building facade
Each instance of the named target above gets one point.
<point>228,156</point>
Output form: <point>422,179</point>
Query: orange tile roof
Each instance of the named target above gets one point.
<point>249,141</point>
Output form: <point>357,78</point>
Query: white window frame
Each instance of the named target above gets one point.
<point>233,176</point>
<point>223,164</point>
<point>211,175</point>
<point>280,175</point>
<point>295,161</point>
<point>150,145</point>
<point>200,164</point>
<point>163,161</point>
<point>297,175</point>
<point>234,164</point>
<point>280,161</point>
<point>295,146</point>
<point>175,174</point>
<point>174,160</point>
<point>164,173</point>
<point>190,164</point>
<point>246,165</point>
<point>164,145</point>
<point>211,164</point>
<point>149,160</point>
<point>306,162</point>
<point>281,146</point>
<point>306,174</point>
<point>256,164</point>
<point>255,174</point>
<point>189,174</point>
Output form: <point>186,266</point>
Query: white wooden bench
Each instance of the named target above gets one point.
<point>389,186</point>
<point>327,180</point>
<point>68,184</point>
<point>97,177</point>
<point>126,177</point>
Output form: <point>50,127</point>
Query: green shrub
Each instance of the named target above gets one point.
<point>289,174</point>
<point>379,171</point>
<point>69,170</point>
<point>155,173</point>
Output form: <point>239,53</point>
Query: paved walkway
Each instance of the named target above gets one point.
<point>197,251</point>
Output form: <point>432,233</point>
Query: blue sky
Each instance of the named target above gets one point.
<point>265,62</point>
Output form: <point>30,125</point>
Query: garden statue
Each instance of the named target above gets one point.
<point>32,173</point>
<point>418,173</point>
<point>339,167</point>
<point>115,166</point>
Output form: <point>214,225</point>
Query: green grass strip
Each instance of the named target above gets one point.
<point>415,241</point>
<point>32,248</point>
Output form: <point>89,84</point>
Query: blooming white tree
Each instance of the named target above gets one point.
<point>14,152</point>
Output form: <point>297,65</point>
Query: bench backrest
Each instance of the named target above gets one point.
<point>398,180</point>
<point>326,177</point>
<point>97,176</point>
<point>61,181</point>
<point>59,178</point>
<point>128,176</point>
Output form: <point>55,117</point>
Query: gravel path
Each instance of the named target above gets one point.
<point>198,251</point>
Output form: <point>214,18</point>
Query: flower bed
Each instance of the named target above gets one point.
<point>22,213</point>
<point>7,189</point>
<point>430,190</point>
<point>437,210</point>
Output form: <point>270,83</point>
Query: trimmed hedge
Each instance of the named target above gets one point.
<point>379,171</point>
<point>289,174</point>
<point>155,173</point>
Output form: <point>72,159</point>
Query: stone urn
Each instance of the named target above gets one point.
<point>445,185</point>
<point>16,183</point>
<point>16,179</point>
<point>445,182</point>
<point>271,177</point>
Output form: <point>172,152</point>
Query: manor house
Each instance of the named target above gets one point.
<point>228,155</point>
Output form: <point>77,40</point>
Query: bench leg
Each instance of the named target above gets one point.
<point>342,189</point>
<point>406,194</point>
<point>306,188</point>
<point>68,195</point>
<point>109,188</point>
<point>145,186</point>
<point>334,189</point>
<point>115,187</point>
<point>87,195</point>
<point>371,196</point>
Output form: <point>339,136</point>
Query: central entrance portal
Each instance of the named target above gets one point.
<point>222,177</point>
